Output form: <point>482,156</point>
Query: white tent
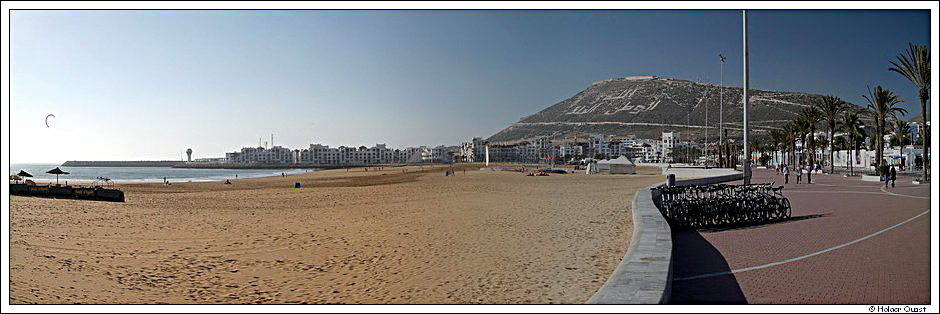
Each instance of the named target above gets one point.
<point>603,165</point>
<point>621,165</point>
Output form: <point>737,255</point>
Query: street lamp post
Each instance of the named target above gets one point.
<point>747,144</point>
<point>721,108</point>
<point>705,145</point>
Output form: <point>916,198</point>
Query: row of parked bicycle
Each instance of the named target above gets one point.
<point>718,205</point>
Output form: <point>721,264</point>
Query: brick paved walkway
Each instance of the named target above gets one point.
<point>821,255</point>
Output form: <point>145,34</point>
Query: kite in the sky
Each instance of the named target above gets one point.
<point>47,119</point>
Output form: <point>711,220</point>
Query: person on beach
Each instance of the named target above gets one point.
<point>799,173</point>
<point>894,176</point>
<point>164,180</point>
<point>786,174</point>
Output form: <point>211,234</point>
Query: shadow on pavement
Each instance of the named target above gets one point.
<point>761,224</point>
<point>693,255</point>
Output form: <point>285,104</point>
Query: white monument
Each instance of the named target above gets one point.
<point>487,155</point>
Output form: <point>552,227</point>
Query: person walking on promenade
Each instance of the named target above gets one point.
<point>885,175</point>
<point>799,173</point>
<point>786,174</point>
<point>894,176</point>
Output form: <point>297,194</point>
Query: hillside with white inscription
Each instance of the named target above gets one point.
<point>646,106</point>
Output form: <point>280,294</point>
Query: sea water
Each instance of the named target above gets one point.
<point>145,174</point>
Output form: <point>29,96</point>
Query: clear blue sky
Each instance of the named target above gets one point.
<point>128,85</point>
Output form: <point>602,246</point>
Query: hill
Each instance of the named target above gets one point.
<point>647,106</point>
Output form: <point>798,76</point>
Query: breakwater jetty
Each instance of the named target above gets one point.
<point>129,163</point>
<point>233,165</point>
<point>216,165</point>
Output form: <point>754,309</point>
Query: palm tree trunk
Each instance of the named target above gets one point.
<point>793,154</point>
<point>790,154</point>
<point>811,159</point>
<point>923,114</point>
<point>803,150</point>
<point>851,157</point>
<point>880,152</point>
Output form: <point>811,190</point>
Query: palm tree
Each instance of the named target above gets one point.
<point>900,129</point>
<point>831,107</point>
<point>841,143</point>
<point>800,129</point>
<point>881,105</point>
<point>852,125</point>
<point>811,116</point>
<point>915,66</point>
<point>790,136</point>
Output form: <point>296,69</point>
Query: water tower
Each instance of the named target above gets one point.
<point>189,154</point>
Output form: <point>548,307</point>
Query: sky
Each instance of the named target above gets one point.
<point>147,85</point>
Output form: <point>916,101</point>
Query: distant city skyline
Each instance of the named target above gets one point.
<point>147,85</point>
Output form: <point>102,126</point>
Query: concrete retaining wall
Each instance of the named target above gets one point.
<point>644,272</point>
<point>871,178</point>
<point>644,275</point>
<point>699,172</point>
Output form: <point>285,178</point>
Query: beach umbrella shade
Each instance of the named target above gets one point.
<point>56,172</point>
<point>23,174</point>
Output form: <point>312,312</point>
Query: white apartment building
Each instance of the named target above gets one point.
<point>468,151</point>
<point>916,128</point>
<point>650,151</point>
<point>276,154</point>
<point>568,151</point>
<point>669,141</point>
<point>343,155</point>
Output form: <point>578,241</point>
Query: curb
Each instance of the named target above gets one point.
<point>644,275</point>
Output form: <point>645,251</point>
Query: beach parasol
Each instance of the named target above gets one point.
<point>23,174</point>
<point>56,172</point>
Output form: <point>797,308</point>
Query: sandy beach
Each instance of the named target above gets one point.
<point>399,235</point>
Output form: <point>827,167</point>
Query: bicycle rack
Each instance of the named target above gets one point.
<point>720,205</point>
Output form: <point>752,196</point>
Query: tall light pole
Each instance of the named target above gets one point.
<point>705,145</point>
<point>747,144</point>
<point>688,148</point>
<point>721,107</point>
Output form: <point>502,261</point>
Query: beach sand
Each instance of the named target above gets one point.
<point>346,237</point>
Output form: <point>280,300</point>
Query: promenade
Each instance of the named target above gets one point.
<point>847,242</point>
